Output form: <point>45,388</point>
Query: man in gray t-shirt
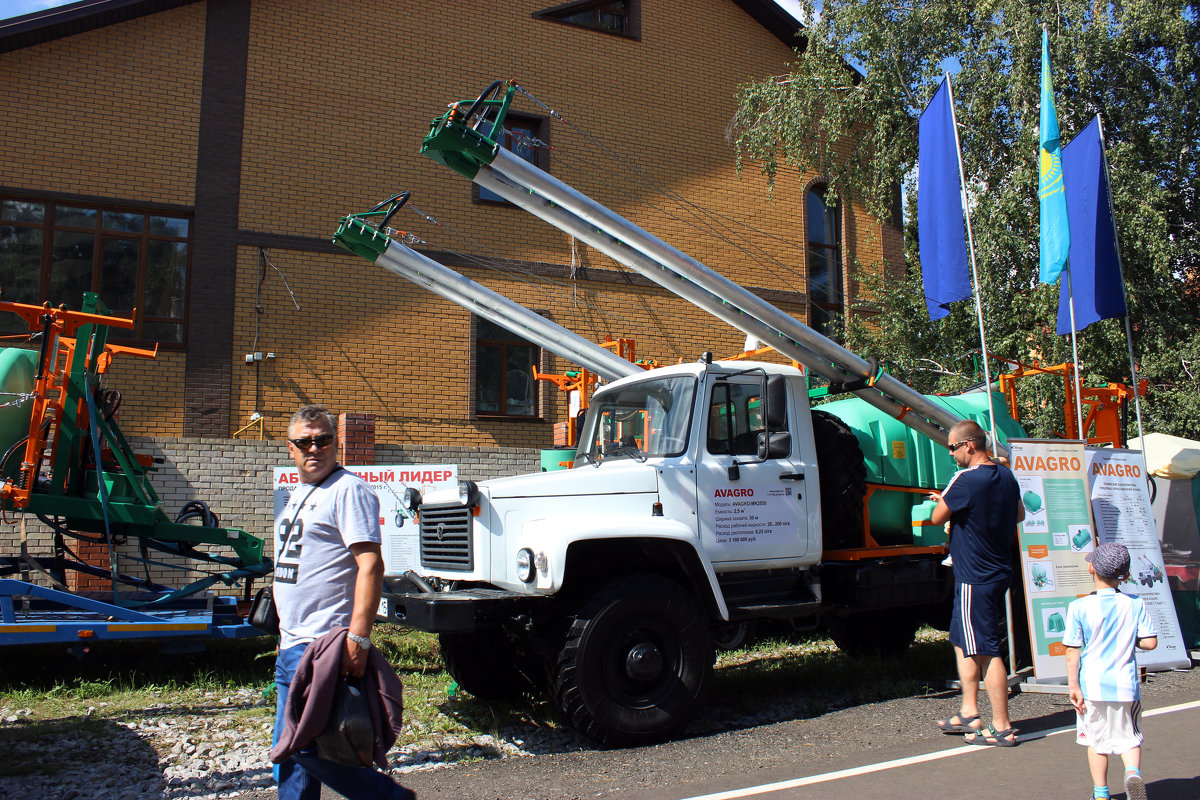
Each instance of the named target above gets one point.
<point>317,567</point>
<point>328,573</point>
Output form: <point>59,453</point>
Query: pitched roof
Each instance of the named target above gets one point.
<point>87,15</point>
<point>780,23</point>
<point>68,20</point>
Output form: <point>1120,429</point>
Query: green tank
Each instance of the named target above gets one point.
<point>896,455</point>
<point>557,459</point>
<point>17,368</point>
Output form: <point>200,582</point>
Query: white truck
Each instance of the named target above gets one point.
<point>703,496</point>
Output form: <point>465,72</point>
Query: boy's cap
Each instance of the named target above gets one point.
<point>1110,560</point>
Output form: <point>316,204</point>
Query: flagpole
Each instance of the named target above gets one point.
<point>1075,353</point>
<point>987,375</point>
<point>962,182</point>
<point>1137,405</point>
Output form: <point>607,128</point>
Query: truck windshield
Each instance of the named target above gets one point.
<point>638,421</point>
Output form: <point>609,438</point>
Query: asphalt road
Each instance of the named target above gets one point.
<point>887,749</point>
<point>1046,764</point>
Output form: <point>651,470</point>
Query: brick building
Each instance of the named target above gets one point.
<point>192,159</point>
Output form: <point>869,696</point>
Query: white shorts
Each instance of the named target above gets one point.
<point>1110,728</point>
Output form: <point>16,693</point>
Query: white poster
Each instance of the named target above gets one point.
<point>401,539</point>
<point>1055,538</point>
<point>750,514</point>
<point>1121,507</point>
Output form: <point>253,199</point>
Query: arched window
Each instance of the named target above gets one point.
<point>825,302</point>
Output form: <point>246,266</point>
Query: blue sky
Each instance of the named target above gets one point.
<point>15,8</point>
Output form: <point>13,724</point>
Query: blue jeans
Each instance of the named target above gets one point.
<point>301,776</point>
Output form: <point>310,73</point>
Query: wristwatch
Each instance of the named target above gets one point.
<point>362,641</point>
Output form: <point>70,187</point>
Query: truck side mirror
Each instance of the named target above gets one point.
<point>776,403</point>
<point>774,444</point>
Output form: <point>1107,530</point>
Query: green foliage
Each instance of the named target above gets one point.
<point>1135,63</point>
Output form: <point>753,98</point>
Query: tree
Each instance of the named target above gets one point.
<point>1134,62</point>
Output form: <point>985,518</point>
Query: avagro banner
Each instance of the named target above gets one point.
<point>401,540</point>
<point>1121,507</point>
<point>1054,539</point>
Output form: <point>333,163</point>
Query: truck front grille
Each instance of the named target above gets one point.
<point>446,539</point>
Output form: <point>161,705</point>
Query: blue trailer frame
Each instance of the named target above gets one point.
<point>33,614</point>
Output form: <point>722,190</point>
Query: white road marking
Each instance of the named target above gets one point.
<point>867,769</point>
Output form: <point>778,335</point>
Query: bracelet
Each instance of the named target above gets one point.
<point>362,641</point>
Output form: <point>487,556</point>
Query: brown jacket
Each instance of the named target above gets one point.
<point>310,697</point>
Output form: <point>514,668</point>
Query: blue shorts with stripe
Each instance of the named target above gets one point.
<point>977,624</point>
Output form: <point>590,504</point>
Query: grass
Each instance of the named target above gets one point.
<point>116,678</point>
<point>784,677</point>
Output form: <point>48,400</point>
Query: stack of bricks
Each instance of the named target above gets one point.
<point>561,434</point>
<point>356,437</point>
<point>96,554</point>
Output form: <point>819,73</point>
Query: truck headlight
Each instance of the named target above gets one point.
<point>466,492</point>
<point>525,568</point>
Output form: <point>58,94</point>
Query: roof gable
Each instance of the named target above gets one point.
<point>73,18</point>
<point>87,15</point>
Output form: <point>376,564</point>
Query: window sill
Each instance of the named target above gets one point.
<point>490,417</point>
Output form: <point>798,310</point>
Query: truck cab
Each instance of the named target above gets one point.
<point>694,501</point>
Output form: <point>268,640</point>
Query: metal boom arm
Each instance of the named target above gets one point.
<point>453,142</point>
<point>366,240</point>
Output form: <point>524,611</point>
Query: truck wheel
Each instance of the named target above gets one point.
<point>487,665</point>
<point>874,633</point>
<point>843,481</point>
<point>636,662</point>
<point>735,635</point>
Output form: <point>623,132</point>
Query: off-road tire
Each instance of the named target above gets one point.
<point>843,481</point>
<point>635,663</point>
<point>488,666</point>
<point>868,634</point>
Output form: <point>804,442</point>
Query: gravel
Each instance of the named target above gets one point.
<point>217,748</point>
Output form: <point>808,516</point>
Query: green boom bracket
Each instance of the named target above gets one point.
<point>363,234</point>
<point>360,238</point>
<point>465,140</point>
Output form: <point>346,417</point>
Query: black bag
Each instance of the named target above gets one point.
<point>349,736</point>
<point>262,612</point>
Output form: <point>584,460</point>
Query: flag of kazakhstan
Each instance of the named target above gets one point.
<point>1055,234</point>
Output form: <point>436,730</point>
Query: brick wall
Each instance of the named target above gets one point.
<point>315,141</point>
<point>234,478</point>
<point>82,115</point>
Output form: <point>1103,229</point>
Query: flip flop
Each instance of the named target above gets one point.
<point>986,737</point>
<point>948,725</point>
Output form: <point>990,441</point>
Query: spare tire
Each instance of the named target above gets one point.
<point>843,481</point>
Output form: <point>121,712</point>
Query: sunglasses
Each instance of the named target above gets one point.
<point>957,445</point>
<point>306,442</point>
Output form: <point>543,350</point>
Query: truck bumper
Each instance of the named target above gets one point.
<point>461,611</point>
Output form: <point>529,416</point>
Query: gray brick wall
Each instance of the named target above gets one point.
<point>234,478</point>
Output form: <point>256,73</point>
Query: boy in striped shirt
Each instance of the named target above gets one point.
<point>1103,628</point>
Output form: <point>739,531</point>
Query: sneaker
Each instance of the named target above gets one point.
<point>1135,787</point>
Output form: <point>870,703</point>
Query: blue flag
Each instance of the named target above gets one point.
<point>1055,233</point>
<point>943,245</point>
<point>1095,270</point>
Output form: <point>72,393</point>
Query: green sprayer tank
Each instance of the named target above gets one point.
<point>896,455</point>
<point>17,368</point>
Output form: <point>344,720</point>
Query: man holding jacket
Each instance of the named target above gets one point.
<point>328,573</point>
